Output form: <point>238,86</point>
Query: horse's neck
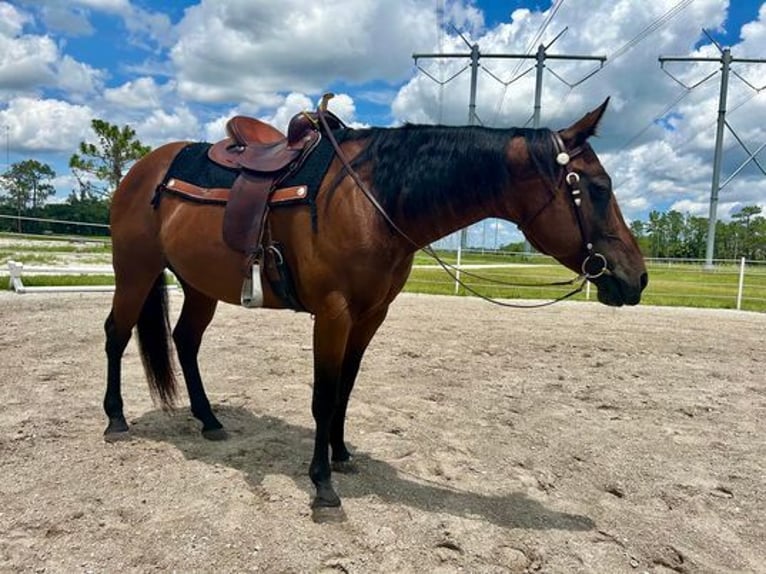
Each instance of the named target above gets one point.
<point>432,214</point>
<point>434,180</point>
<point>448,217</point>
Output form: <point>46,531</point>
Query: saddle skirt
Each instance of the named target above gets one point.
<point>253,169</point>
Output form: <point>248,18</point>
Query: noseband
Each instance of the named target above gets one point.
<point>594,265</point>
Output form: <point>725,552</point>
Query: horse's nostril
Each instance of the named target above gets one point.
<point>644,279</point>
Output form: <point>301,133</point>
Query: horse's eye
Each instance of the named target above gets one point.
<point>601,187</point>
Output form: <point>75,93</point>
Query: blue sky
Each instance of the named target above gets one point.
<point>178,69</point>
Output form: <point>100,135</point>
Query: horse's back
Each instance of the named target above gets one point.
<point>138,186</point>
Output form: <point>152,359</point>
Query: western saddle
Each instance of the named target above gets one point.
<point>264,157</point>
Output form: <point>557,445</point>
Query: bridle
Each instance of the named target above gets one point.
<point>572,178</point>
<point>595,264</point>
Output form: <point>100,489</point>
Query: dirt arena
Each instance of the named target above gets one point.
<point>575,438</point>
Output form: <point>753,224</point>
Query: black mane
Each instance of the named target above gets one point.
<point>415,167</point>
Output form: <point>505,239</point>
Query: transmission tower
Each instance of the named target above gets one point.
<point>475,55</point>
<point>725,59</point>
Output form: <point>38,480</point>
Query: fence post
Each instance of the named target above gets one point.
<point>14,276</point>
<point>741,285</point>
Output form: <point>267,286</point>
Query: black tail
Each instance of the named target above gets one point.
<point>154,342</point>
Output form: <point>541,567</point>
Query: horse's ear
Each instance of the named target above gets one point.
<point>578,133</point>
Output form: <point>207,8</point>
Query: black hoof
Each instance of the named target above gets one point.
<point>215,434</point>
<point>326,497</point>
<point>345,466</point>
<point>117,430</point>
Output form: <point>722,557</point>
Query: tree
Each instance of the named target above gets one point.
<point>27,184</point>
<point>107,160</point>
<point>747,221</point>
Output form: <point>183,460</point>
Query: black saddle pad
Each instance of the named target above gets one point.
<point>192,165</point>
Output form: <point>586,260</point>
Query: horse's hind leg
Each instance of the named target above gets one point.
<point>116,341</point>
<point>127,304</point>
<point>196,314</point>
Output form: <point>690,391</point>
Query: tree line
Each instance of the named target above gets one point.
<point>25,186</point>
<point>676,235</point>
<point>683,236</point>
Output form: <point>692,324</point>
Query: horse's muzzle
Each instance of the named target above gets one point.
<point>615,290</point>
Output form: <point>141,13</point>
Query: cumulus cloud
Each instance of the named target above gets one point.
<point>70,20</point>
<point>161,127</point>
<point>140,94</point>
<point>38,125</point>
<point>29,62</point>
<point>242,50</point>
<point>12,20</point>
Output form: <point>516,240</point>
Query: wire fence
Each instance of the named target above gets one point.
<point>729,284</point>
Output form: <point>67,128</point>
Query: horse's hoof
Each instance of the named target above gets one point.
<point>345,466</point>
<point>117,430</point>
<point>327,514</point>
<point>215,434</point>
<point>116,436</point>
<point>326,497</point>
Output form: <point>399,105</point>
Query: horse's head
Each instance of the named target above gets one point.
<point>565,206</point>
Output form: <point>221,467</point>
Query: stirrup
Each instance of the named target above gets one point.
<point>252,293</point>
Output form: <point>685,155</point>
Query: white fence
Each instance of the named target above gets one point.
<point>16,271</point>
<point>743,282</point>
<point>738,284</point>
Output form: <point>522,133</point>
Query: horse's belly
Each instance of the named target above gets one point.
<point>194,248</point>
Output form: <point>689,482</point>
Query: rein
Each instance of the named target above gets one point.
<point>572,179</point>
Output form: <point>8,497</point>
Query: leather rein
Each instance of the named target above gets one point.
<point>571,178</point>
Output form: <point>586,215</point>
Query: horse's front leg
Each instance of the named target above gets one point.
<point>331,331</point>
<point>358,340</point>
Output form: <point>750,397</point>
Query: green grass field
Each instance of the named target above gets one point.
<point>670,283</point>
<point>673,284</point>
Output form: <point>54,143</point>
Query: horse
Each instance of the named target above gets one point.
<point>351,253</point>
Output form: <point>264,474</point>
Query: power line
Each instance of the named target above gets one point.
<point>655,25</point>
<point>649,29</point>
<point>684,93</point>
<point>534,42</point>
<point>725,59</point>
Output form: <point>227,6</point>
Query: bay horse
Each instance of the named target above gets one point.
<point>420,183</point>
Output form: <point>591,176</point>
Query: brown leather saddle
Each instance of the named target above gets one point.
<point>264,157</point>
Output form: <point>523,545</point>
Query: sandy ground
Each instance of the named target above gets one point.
<point>574,438</point>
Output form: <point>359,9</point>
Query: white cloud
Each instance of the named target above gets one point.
<point>114,6</point>
<point>46,125</point>
<point>12,20</point>
<point>240,50</point>
<point>70,20</point>
<point>26,63</point>
<point>270,60</point>
<point>77,77</point>
<point>142,93</point>
<point>30,63</point>
<point>161,127</point>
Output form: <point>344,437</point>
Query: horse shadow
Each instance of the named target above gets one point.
<point>261,445</point>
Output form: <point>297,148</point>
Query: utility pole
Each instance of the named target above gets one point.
<point>475,55</point>
<point>725,59</point>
